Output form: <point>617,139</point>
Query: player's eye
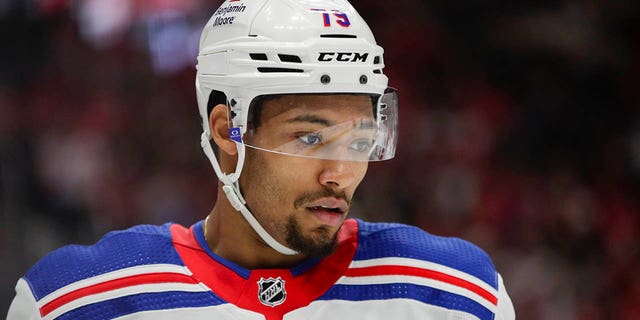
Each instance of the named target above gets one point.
<point>311,138</point>
<point>361,145</point>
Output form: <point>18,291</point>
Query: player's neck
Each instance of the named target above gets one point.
<point>230,236</point>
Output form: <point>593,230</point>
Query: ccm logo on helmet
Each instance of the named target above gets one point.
<point>343,56</point>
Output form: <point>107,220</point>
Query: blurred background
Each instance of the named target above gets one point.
<point>520,131</point>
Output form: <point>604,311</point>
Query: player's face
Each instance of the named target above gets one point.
<point>302,202</point>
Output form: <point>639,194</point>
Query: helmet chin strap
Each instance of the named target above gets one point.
<point>231,189</point>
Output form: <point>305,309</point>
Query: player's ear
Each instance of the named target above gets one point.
<point>220,130</point>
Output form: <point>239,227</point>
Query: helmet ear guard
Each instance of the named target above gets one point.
<point>261,48</point>
<point>231,189</point>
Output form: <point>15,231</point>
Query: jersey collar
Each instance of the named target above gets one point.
<point>242,287</point>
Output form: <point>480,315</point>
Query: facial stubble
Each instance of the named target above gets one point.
<point>318,242</point>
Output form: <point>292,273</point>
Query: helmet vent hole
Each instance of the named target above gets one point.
<point>289,58</point>
<point>279,70</point>
<point>376,60</point>
<point>340,36</point>
<point>325,79</point>
<point>377,71</point>
<point>258,56</point>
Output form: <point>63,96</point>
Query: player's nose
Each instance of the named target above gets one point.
<point>337,174</point>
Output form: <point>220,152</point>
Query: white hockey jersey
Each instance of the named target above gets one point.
<point>379,271</point>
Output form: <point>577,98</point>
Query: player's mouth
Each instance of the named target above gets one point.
<point>329,211</point>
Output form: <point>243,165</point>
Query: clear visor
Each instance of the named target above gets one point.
<point>353,127</point>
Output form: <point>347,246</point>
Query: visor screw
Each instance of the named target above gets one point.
<point>363,79</point>
<point>325,79</point>
<point>233,102</point>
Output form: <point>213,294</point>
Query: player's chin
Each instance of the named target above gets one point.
<point>319,241</point>
<point>321,244</point>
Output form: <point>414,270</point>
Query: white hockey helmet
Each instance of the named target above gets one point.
<point>254,48</point>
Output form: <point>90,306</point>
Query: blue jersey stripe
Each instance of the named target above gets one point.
<point>424,294</point>
<point>404,241</point>
<point>118,307</point>
<point>140,245</point>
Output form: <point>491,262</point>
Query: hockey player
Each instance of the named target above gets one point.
<point>294,105</point>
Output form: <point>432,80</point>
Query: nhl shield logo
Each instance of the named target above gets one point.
<point>271,291</point>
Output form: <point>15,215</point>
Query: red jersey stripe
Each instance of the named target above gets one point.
<point>151,278</point>
<point>424,273</point>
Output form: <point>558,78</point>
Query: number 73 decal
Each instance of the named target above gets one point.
<point>340,18</point>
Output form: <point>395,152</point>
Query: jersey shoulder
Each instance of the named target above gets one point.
<point>141,245</point>
<point>393,240</point>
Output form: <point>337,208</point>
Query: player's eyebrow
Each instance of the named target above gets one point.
<point>360,125</point>
<point>311,119</point>
<point>365,125</point>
